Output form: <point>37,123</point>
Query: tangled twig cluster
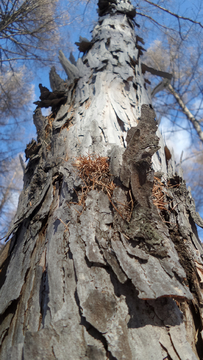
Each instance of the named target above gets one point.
<point>94,171</point>
<point>158,194</point>
<point>161,195</point>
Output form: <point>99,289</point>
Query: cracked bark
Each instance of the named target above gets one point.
<point>84,282</point>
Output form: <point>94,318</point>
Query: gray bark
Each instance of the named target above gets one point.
<point>117,278</point>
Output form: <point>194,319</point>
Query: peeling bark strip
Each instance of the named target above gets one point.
<point>78,280</point>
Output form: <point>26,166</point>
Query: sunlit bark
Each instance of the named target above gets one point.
<point>104,261</point>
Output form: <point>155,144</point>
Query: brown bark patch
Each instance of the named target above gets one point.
<point>99,308</point>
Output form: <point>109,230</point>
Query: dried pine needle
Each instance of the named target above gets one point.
<point>94,171</point>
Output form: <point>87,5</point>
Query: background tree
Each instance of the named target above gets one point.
<point>193,173</point>
<point>11,186</point>
<point>185,89</point>
<point>29,36</point>
<point>104,261</point>
<point>29,30</point>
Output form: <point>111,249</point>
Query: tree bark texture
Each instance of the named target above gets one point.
<point>93,274</point>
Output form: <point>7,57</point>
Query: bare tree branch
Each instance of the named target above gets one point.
<point>187,112</point>
<point>163,84</point>
<point>173,14</point>
<point>153,20</point>
<point>29,27</point>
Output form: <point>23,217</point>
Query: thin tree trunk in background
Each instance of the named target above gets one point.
<point>187,112</point>
<point>7,193</point>
<point>104,261</point>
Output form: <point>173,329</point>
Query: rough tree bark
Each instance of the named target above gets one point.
<point>102,266</point>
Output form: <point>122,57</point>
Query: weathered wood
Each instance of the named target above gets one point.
<point>70,69</point>
<point>56,82</point>
<point>153,71</point>
<point>89,274</point>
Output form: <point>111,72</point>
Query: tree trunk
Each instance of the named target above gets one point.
<point>104,260</point>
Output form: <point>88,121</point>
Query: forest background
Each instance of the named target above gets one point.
<point>31,34</point>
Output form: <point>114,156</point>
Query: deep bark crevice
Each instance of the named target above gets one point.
<point>4,267</point>
<point>140,310</point>
<point>98,336</point>
<point>185,260</point>
<point>93,332</point>
<point>167,357</point>
<point>174,349</point>
<point>44,297</point>
<point>198,326</point>
<point>10,310</point>
<point>192,280</point>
